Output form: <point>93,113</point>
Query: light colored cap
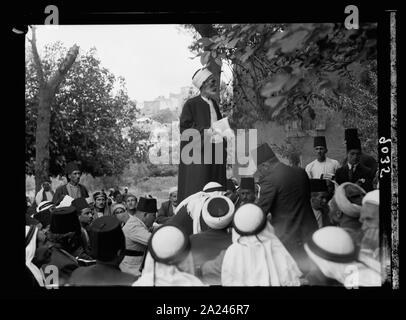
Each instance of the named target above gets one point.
<point>248,217</point>
<point>167,241</point>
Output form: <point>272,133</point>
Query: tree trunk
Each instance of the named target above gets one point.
<point>47,91</point>
<point>42,137</point>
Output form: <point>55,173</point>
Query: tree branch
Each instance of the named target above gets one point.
<point>59,75</point>
<point>37,60</point>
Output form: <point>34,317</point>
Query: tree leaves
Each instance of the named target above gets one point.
<point>87,117</point>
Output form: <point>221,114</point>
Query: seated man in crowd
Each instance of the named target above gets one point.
<point>137,231</point>
<point>257,257</point>
<point>335,255</point>
<point>119,210</point>
<point>319,200</point>
<point>168,208</point>
<point>345,210</point>
<point>231,191</point>
<point>246,191</point>
<point>101,208</point>
<point>108,243</point>
<point>37,253</point>
<point>45,193</point>
<point>67,251</point>
<point>217,213</point>
<point>168,261</point>
<point>43,214</point>
<point>370,245</point>
<point>85,218</point>
<point>131,203</point>
<point>188,212</point>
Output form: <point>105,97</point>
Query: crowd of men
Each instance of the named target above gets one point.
<point>317,226</point>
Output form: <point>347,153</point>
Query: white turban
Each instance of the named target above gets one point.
<point>200,76</point>
<point>219,222</point>
<point>172,190</point>
<point>344,204</point>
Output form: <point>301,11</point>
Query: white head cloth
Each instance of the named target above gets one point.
<point>201,76</point>
<point>172,190</point>
<point>259,260</point>
<point>167,275</point>
<point>29,255</point>
<point>371,197</point>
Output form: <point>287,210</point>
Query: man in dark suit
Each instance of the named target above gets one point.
<point>354,171</point>
<point>67,250</point>
<point>167,208</point>
<point>73,188</point>
<point>217,213</point>
<point>285,195</point>
<point>199,113</point>
<point>108,243</point>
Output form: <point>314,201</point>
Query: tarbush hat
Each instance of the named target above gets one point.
<point>80,204</point>
<point>318,185</point>
<point>64,220</point>
<point>247,183</point>
<point>351,133</point>
<point>148,205</point>
<point>106,238</point>
<point>262,153</point>
<point>319,141</point>
<point>70,167</point>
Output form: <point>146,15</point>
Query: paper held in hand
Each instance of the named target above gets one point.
<point>222,127</point>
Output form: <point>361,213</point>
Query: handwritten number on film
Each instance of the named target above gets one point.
<point>385,158</point>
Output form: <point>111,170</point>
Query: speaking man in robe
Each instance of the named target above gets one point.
<point>199,113</point>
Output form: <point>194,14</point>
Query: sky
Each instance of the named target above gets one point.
<point>153,59</point>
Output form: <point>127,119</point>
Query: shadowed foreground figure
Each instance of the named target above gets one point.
<point>168,262</point>
<point>68,252</point>
<point>285,194</point>
<point>335,255</point>
<point>218,213</point>
<point>108,243</point>
<point>257,257</point>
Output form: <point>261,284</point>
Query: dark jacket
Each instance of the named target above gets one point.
<point>101,275</point>
<point>361,172</point>
<point>65,263</point>
<point>285,194</point>
<point>208,244</point>
<point>193,177</point>
<point>62,191</point>
<point>367,161</point>
<point>164,212</point>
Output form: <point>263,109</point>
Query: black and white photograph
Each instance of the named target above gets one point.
<point>236,154</point>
